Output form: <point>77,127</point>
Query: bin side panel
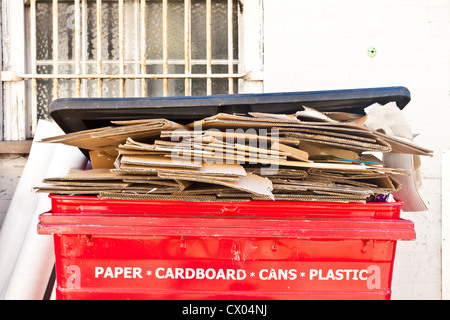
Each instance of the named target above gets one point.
<point>211,268</point>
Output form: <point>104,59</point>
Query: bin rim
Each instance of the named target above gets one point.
<point>256,208</point>
<point>176,226</point>
<point>270,219</point>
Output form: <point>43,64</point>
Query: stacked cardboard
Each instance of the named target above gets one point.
<point>307,156</point>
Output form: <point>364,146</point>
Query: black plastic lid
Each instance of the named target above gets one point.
<point>75,114</point>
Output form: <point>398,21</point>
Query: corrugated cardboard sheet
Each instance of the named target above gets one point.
<point>307,156</point>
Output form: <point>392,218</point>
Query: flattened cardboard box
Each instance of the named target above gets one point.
<point>311,157</point>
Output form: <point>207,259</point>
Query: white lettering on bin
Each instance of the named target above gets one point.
<point>118,272</point>
<point>372,275</point>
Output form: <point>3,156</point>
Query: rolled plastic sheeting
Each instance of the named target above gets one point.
<point>36,258</point>
<point>24,201</point>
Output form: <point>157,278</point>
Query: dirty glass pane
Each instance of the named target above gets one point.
<point>155,87</point>
<point>110,47</point>
<point>219,27</point>
<point>44,36</point>
<point>44,92</point>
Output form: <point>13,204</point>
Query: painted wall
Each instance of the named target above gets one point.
<point>11,167</point>
<point>322,44</point>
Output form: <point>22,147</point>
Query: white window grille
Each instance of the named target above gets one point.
<point>119,48</point>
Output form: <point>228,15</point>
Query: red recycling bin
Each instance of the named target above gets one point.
<point>122,249</point>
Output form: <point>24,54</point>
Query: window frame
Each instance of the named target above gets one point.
<point>20,88</point>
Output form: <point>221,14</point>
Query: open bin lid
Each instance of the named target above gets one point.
<point>76,114</point>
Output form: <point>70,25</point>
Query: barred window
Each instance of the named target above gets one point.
<point>126,48</point>
<point>123,48</point>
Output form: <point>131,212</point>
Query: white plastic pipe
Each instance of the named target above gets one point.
<point>23,204</point>
<point>35,262</point>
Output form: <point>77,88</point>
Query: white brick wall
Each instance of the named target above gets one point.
<point>321,44</point>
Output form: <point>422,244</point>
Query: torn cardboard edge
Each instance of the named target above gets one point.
<point>193,151</point>
<point>195,198</point>
<point>155,161</point>
<point>92,174</point>
<point>357,145</point>
<point>228,198</point>
<point>108,137</point>
<point>250,183</point>
<point>273,173</point>
<point>331,134</point>
<point>320,198</point>
<point>205,169</point>
<point>406,147</point>
<point>278,163</point>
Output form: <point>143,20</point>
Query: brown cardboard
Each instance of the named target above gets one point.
<point>156,161</point>
<point>242,137</point>
<point>324,187</point>
<point>250,183</point>
<point>332,133</point>
<point>87,175</point>
<point>279,173</point>
<point>71,136</point>
<point>294,153</point>
<point>203,188</point>
<point>242,152</point>
<point>317,197</point>
<point>175,197</point>
<point>346,117</point>
<point>92,183</point>
<point>205,169</point>
<point>310,114</point>
<point>214,150</point>
<point>402,146</point>
<point>109,137</point>
<point>309,156</point>
<point>275,116</point>
<point>135,179</point>
<point>102,159</point>
<point>352,144</point>
<point>319,151</point>
<point>256,117</point>
<point>197,177</point>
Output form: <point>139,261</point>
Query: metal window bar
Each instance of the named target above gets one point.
<point>208,47</point>
<point>84,31</point>
<point>77,47</point>
<point>143,47</point>
<point>230,46</point>
<point>165,51</point>
<point>121,47</point>
<point>99,48</point>
<point>81,62</point>
<point>187,46</point>
<point>34,92</point>
<point>55,45</point>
